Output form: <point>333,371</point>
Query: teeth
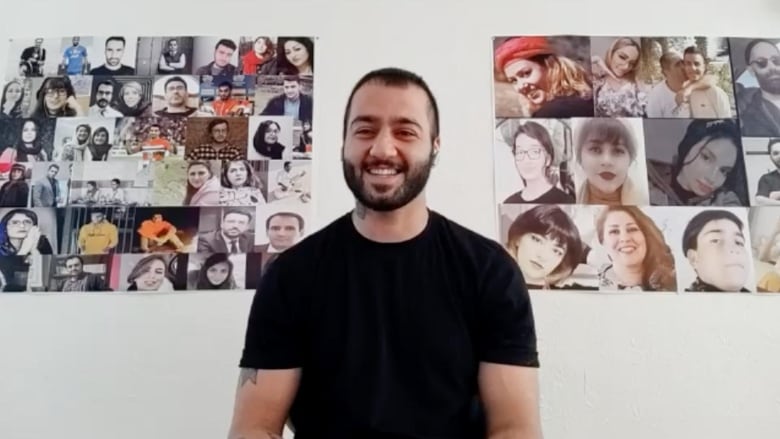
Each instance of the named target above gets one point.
<point>382,171</point>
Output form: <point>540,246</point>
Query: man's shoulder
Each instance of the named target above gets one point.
<point>318,244</point>
<point>466,242</point>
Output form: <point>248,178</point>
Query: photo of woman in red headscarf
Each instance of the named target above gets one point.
<point>543,77</point>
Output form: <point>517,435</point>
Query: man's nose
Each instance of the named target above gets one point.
<point>384,144</point>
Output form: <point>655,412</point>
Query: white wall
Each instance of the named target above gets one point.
<point>618,366</point>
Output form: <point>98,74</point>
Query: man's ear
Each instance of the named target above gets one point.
<point>691,255</point>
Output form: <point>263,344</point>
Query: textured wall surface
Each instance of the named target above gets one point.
<point>613,366</point>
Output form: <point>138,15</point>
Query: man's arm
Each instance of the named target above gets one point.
<point>263,401</point>
<point>510,395</point>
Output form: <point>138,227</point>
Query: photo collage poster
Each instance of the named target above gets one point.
<point>632,164</point>
<point>153,164</point>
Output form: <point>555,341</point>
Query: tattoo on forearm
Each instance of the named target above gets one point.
<point>247,375</point>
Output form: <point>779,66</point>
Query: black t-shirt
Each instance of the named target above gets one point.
<point>105,71</point>
<point>389,336</point>
<point>553,196</point>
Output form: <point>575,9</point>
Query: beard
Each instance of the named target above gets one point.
<point>769,81</point>
<point>382,198</point>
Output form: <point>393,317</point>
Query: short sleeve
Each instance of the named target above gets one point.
<point>273,335</point>
<point>506,320</point>
<point>763,186</point>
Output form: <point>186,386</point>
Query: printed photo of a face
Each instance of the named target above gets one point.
<point>33,57</point>
<point>164,56</point>
<point>216,56</point>
<point>60,96</point>
<point>176,96</point>
<point>689,77</point>
<point>289,181</point>
<point>756,64</point>
<point>216,271</point>
<point>712,250</point>
<point>153,273</point>
<point>72,273</point>
<point>50,184</point>
<point>295,56</point>
<point>94,230</point>
<point>270,138</point>
<point>762,161</point>
<point>84,139</point>
<point>244,183</point>
<point>227,230</point>
<point>77,56</point>
<point>17,98</point>
<point>615,62</point>
<point>216,138</point>
<point>538,76</point>
<point>534,161</point>
<point>257,55</point>
<point>151,139</point>
<point>25,232</point>
<point>289,96</point>
<point>187,183</point>
<point>765,236</point>
<point>27,140</point>
<point>227,97</point>
<point>15,186</point>
<point>695,163</point>
<point>279,227</point>
<point>114,56</point>
<point>112,183</point>
<point>117,96</point>
<point>165,230</point>
<point>609,161</point>
<point>548,245</point>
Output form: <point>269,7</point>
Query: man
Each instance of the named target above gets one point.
<point>46,191</point>
<point>706,103</point>
<point>391,321</point>
<point>176,96</point>
<point>221,65</point>
<point>33,58</point>
<point>290,103</point>
<point>715,247</point>
<point>288,182</point>
<point>226,105</point>
<point>104,95</point>
<point>75,58</point>
<point>114,50</point>
<point>768,192</point>
<point>219,148</point>
<point>159,232</point>
<point>760,108</point>
<point>233,235</point>
<point>662,100</point>
<point>172,60</point>
<point>99,236</point>
<point>154,147</point>
<point>78,280</point>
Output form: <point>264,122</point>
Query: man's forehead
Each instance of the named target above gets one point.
<point>763,48</point>
<point>390,104</point>
<point>721,226</point>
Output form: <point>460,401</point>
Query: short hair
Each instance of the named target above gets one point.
<point>395,77</point>
<point>227,212</point>
<point>105,82</point>
<point>666,58</point>
<point>175,79</point>
<point>770,144</point>
<point>155,125</point>
<point>291,78</point>
<point>693,50</point>
<point>752,44</point>
<point>68,258</point>
<point>225,42</point>
<point>116,180</point>
<point>54,165</point>
<point>116,38</point>
<point>697,223</point>
<point>215,122</point>
<point>288,214</point>
<point>227,84</point>
<point>93,183</point>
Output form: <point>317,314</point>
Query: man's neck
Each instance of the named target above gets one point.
<point>395,226</point>
<point>771,97</point>
<point>181,109</point>
<point>219,146</point>
<point>673,85</point>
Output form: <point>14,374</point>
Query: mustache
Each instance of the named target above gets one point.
<point>397,164</point>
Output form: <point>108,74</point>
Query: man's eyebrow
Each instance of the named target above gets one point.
<point>394,121</point>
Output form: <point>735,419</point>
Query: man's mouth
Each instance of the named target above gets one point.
<point>383,170</point>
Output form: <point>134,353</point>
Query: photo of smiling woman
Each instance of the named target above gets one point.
<point>546,244</point>
<point>539,76</point>
<point>616,90</point>
<point>639,257</point>
<point>153,273</point>
<point>695,163</point>
<point>540,165</point>
<point>203,188</point>
<point>611,168</point>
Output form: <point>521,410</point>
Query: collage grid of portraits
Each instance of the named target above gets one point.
<point>630,164</point>
<point>153,164</point>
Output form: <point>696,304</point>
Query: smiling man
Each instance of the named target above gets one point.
<point>392,320</point>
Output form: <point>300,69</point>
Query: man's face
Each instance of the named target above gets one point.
<point>154,132</point>
<point>115,49</point>
<point>176,94</point>
<point>223,93</point>
<point>173,46</point>
<point>388,153</point>
<point>53,172</point>
<point>219,133</point>
<point>292,90</point>
<point>222,55</point>
<point>774,154</point>
<point>157,217</point>
<point>234,224</point>
<point>283,231</point>
<point>97,217</point>
<point>73,267</point>
<point>76,41</point>
<point>720,258</point>
<point>103,95</point>
<point>675,69</point>
<point>765,64</point>
<point>38,42</point>
<point>695,66</point>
